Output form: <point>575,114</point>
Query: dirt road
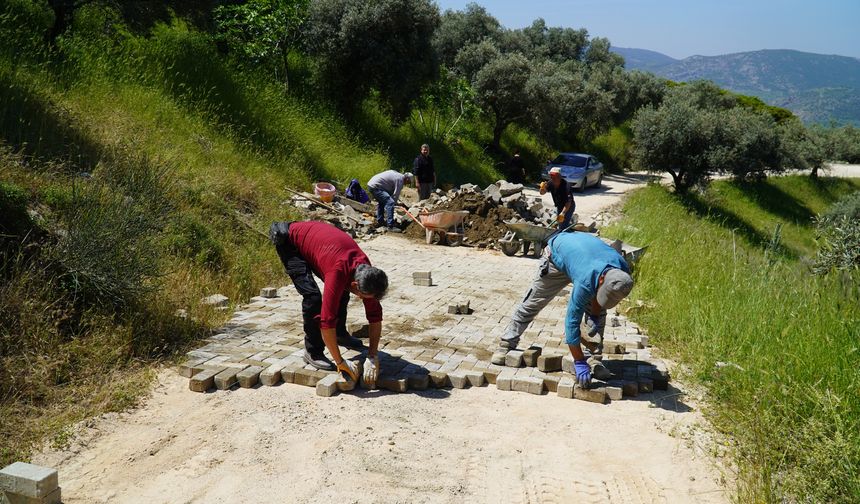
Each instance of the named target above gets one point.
<point>285,444</point>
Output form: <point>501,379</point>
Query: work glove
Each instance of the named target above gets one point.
<point>371,371</point>
<point>543,186</point>
<point>349,370</point>
<point>560,218</point>
<point>583,372</point>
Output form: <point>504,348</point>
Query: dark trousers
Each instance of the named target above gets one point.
<point>303,279</point>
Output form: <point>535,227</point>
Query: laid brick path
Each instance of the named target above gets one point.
<point>423,345</point>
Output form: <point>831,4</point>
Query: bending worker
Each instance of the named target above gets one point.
<point>385,188</point>
<point>601,278</point>
<point>317,248</point>
<point>562,196</point>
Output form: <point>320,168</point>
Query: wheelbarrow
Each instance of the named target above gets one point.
<point>523,234</point>
<point>444,226</point>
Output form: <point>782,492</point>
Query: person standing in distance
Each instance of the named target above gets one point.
<point>425,172</point>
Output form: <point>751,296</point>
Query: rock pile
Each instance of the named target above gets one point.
<point>488,210</point>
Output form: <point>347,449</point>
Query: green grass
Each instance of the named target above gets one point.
<point>719,294</point>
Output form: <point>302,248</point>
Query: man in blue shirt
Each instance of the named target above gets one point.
<point>601,278</point>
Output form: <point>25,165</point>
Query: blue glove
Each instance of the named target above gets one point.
<point>583,372</point>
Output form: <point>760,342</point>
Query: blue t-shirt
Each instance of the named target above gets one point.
<point>583,258</point>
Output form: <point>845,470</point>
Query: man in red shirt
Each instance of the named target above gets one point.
<point>317,248</point>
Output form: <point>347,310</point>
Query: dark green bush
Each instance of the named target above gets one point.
<point>839,236</point>
<point>188,237</point>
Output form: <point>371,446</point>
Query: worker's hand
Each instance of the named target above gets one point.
<point>583,372</point>
<point>349,370</point>
<point>371,371</point>
<point>560,218</point>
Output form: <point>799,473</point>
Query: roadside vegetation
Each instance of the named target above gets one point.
<point>729,288</point>
<point>146,146</point>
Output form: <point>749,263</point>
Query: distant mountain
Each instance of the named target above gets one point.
<point>816,87</point>
<point>643,59</point>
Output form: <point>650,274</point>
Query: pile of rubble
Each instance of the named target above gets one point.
<point>488,210</point>
<point>355,218</point>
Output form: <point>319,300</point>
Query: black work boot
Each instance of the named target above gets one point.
<point>320,362</point>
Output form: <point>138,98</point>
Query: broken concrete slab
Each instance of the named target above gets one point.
<point>216,300</point>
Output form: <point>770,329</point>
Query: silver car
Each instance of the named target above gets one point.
<point>580,170</point>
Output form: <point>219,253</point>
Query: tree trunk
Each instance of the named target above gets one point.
<point>498,129</point>
<point>677,179</point>
<point>814,173</point>
<point>285,54</point>
<point>62,13</point>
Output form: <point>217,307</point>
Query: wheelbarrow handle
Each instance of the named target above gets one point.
<point>413,217</point>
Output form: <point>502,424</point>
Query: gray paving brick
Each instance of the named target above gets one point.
<point>439,379</point>
<point>28,480</point>
<point>186,369</point>
<point>514,359</point>
<point>476,378</point>
<point>458,379</point>
<point>530,355</point>
<point>204,380</point>
<point>565,388</point>
<point>549,363</point>
<point>249,376</point>
<point>595,395</point>
<point>327,386</point>
<point>393,383</point>
<point>227,378</point>
<point>504,381</point>
<point>271,375</point>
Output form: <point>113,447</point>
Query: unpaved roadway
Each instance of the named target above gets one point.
<point>285,444</point>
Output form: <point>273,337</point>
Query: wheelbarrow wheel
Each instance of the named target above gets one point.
<point>538,248</point>
<point>510,248</point>
<point>454,239</point>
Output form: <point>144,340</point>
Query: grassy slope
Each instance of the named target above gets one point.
<point>230,148</point>
<point>718,295</point>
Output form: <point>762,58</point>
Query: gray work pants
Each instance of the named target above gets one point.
<point>424,190</point>
<point>547,283</point>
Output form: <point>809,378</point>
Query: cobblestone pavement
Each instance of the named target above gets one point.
<point>425,341</point>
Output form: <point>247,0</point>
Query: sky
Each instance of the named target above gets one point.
<point>680,28</point>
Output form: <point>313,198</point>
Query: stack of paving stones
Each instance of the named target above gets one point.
<point>22,483</point>
<point>432,338</point>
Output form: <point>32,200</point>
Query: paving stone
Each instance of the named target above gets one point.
<point>327,386</point>
<point>227,378</point>
<point>530,355</point>
<point>249,376</point>
<point>458,379</point>
<point>269,292</point>
<point>476,378</point>
<point>504,381</point>
<point>344,385</point>
<point>216,300</point>
<point>567,364</point>
<point>288,372</point>
<point>439,379</point>
<point>596,395</point>
<point>271,376</point>
<point>514,359</point>
<point>186,369</point>
<point>54,497</point>
<point>565,387</point>
<point>529,384</point>
<point>308,377</point>
<point>645,385</point>
<point>614,393</point>
<point>630,388</point>
<point>491,373</point>
<point>550,381</point>
<point>204,380</point>
<point>422,282</point>
<point>393,384</point>
<point>422,274</point>
<point>549,363</point>
<point>418,381</point>
<point>28,480</point>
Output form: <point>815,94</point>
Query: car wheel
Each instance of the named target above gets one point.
<point>581,185</point>
<point>599,181</point>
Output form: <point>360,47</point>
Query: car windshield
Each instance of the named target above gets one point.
<point>567,160</point>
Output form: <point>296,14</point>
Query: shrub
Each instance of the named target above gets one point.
<point>839,235</point>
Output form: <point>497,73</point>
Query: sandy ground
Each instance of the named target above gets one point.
<point>285,444</point>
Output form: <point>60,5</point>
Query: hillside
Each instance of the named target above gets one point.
<point>817,87</point>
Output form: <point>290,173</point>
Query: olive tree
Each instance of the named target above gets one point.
<point>458,29</point>
<point>383,45</point>
<point>262,31</point>
<point>500,88</point>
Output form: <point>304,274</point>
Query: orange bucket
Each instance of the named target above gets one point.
<point>325,191</point>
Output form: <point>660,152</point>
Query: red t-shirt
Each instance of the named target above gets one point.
<point>333,256</point>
